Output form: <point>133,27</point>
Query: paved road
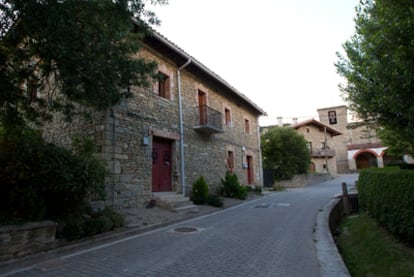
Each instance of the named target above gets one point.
<point>269,236</point>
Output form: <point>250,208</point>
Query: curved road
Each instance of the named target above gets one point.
<point>269,236</point>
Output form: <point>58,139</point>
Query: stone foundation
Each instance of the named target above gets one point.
<point>20,240</point>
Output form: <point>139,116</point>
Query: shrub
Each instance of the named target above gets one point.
<point>116,218</point>
<point>388,196</point>
<point>41,180</point>
<point>214,200</point>
<point>230,187</point>
<point>72,229</point>
<point>199,193</point>
<point>88,224</point>
<point>97,225</point>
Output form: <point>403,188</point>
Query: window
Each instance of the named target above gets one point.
<point>307,130</point>
<point>227,117</point>
<point>230,161</point>
<point>163,85</point>
<point>332,117</point>
<point>246,126</point>
<point>309,145</point>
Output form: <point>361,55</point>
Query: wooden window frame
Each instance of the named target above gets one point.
<point>247,126</point>
<point>164,85</point>
<point>227,117</point>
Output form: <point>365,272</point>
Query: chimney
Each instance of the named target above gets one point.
<point>280,121</point>
<point>294,120</point>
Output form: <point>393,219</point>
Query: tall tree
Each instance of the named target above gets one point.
<point>285,151</point>
<point>52,51</point>
<point>379,66</point>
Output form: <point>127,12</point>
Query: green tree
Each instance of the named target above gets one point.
<point>379,66</point>
<point>81,49</point>
<point>285,150</point>
<point>397,146</point>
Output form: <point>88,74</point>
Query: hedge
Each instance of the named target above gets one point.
<point>388,196</point>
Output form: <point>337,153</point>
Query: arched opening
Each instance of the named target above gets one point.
<point>366,160</point>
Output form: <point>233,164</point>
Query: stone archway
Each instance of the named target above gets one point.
<point>366,160</point>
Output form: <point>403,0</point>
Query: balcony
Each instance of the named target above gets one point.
<point>322,153</point>
<point>209,121</point>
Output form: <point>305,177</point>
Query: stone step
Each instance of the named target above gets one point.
<point>187,209</point>
<point>175,202</point>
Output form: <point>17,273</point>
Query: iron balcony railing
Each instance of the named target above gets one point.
<point>322,153</point>
<point>208,120</point>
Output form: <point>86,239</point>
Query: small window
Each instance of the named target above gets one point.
<point>309,145</point>
<point>163,85</point>
<point>246,126</point>
<point>227,117</point>
<point>332,117</point>
<point>307,130</point>
<point>230,161</point>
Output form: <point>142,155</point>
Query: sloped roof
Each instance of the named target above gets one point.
<point>321,126</point>
<point>163,45</point>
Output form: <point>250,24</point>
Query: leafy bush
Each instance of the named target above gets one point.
<point>214,200</point>
<point>230,187</point>
<point>116,218</point>
<point>72,229</point>
<point>89,224</point>
<point>97,225</point>
<point>285,151</point>
<point>41,180</point>
<point>388,196</point>
<point>199,193</point>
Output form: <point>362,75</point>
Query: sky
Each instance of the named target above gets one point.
<point>280,54</point>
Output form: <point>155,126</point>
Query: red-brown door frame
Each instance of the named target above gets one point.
<point>250,173</point>
<point>161,165</point>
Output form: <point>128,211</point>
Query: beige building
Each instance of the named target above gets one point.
<point>190,123</point>
<point>358,147</point>
<point>320,144</point>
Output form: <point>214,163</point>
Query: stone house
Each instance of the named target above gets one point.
<point>190,123</point>
<point>358,146</point>
<point>319,139</point>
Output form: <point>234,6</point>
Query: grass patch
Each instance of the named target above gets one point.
<point>368,250</point>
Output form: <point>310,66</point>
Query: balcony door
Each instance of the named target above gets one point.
<point>202,107</point>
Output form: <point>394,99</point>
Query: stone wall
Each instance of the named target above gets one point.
<point>338,142</point>
<point>316,137</point>
<point>304,180</point>
<point>125,132</point>
<point>351,135</point>
<point>20,240</point>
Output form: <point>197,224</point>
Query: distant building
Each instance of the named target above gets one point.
<point>358,146</point>
<point>319,137</point>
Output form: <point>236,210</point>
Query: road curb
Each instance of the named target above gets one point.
<point>330,260</point>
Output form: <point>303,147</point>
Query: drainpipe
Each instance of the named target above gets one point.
<point>260,154</point>
<point>113,155</point>
<point>180,110</point>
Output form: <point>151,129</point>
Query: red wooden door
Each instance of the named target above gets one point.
<point>250,179</point>
<point>161,165</point>
<point>202,107</point>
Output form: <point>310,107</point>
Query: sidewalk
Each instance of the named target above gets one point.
<point>138,220</point>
